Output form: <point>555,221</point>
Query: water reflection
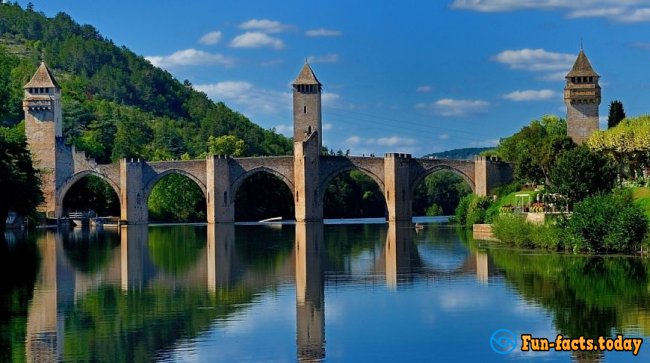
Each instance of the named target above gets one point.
<point>154,293</point>
<point>310,297</point>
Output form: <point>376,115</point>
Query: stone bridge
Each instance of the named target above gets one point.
<point>307,173</point>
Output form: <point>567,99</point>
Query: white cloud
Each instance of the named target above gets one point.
<point>322,32</point>
<point>286,130</point>
<point>625,11</point>
<point>327,126</point>
<point>190,57</point>
<point>327,58</point>
<point>381,141</point>
<point>641,45</point>
<point>394,141</point>
<point>330,99</point>
<point>553,77</point>
<point>535,60</point>
<point>443,136</point>
<point>245,94</point>
<point>211,38</point>
<point>424,89</point>
<point>256,40</point>
<point>531,95</point>
<point>264,25</point>
<point>448,107</point>
<point>485,143</point>
<point>353,140</point>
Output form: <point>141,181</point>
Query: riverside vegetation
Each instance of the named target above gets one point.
<point>595,182</point>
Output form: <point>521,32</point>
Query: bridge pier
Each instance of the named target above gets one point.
<point>396,183</point>
<point>306,169</point>
<point>134,204</point>
<point>489,174</point>
<point>220,201</point>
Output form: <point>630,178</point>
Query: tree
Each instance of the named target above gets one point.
<point>19,181</point>
<point>440,191</point>
<point>177,198</point>
<point>580,173</point>
<point>535,148</point>
<point>226,145</point>
<point>628,144</point>
<point>616,113</point>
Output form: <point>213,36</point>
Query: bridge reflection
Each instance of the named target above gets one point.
<point>136,260</point>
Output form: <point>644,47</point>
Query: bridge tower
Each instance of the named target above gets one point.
<point>582,98</point>
<point>307,145</point>
<point>44,132</point>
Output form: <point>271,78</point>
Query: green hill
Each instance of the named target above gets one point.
<point>458,154</point>
<point>116,104</point>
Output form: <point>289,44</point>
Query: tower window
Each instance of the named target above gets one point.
<point>591,79</point>
<point>304,109</point>
<point>573,79</point>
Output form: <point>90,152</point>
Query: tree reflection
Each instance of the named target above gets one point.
<point>588,296</point>
<point>18,269</point>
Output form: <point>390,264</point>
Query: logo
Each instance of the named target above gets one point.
<point>503,341</point>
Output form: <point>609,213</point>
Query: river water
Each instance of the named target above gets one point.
<point>280,293</point>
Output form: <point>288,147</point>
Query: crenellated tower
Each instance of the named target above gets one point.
<point>307,145</point>
<point>44,130</point>
<point>582,98</point>
<point>307,117</point>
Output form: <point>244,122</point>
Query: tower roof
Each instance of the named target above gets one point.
<point>42,78</point>
<point>582,67</point>
<point>306,76</point>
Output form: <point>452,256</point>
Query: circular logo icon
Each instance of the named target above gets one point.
<point>503,341</point>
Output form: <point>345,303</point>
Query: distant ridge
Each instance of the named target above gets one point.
<point>458,154</point>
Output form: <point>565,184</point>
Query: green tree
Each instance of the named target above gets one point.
<point>439,192</point>
<point>176,198</point>
<point>628,144</point>
<point>535,148</point>
<point>226,145</point>
<point>580,173</point>
<point>19,181</point>
<point>132,135</point>
<point>608,222</point>
<point>616,113</point>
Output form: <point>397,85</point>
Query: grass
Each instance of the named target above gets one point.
<point>642,198</point>
<point>510,199</point>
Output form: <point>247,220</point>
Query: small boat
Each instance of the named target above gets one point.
<point>274,219</point>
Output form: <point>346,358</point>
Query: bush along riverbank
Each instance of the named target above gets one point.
<point>603,223</point>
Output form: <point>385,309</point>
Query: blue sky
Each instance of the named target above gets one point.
<point>414,76</point>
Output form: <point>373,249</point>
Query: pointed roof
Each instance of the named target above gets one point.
<point>42,78</point>
<point>306,76</point>
<point>582,67</point>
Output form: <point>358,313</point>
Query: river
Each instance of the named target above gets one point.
<point>350,291</point>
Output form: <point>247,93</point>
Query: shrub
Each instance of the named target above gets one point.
<point>434,210</point>
<point>608,222</point>
<point>512,229</point>
<point>548,235</point>
<point>461,210</point>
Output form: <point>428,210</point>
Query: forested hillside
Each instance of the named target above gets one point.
<point>116,104</point>
<point>465,153</point>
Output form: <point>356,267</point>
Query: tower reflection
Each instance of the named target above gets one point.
<point>310,304</point>
<point>398,250</point>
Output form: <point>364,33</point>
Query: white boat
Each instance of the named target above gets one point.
<point>274,219</point>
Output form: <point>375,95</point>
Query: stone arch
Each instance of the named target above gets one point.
<point>414,183</point>
<point>63,190</point>
<point>322,188</point>
<point>234,186</point>
<point>153,181</point>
